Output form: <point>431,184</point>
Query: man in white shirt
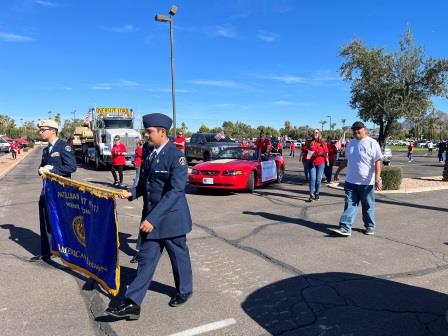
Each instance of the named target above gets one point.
<point>363,158</point>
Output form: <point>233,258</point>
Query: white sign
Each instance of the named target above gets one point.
<point>268,170</point>
<point>206,180</point>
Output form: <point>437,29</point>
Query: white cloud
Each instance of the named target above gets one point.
<point>266,36</point>
<point>8,37</point>
<point>287,79</point>
<point>100,86</point>
<point>122,83</point>
<point>219,83</point>
<point>125,82</point>
<point>283,102</point>
<point>127,28</point>
<point>45,3</point>
<point>227,32</point>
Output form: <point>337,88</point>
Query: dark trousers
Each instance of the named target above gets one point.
<point>14,154</point>
<point>328,171</point>
<point>45,229</point>
<point>120,173</point>
<point>148,258</point>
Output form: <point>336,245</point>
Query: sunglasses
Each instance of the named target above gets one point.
<point>116,139</point>
<point>41,130</point>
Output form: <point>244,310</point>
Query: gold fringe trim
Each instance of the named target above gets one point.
<point>82,186</point>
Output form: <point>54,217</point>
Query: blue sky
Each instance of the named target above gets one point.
<point>257,61</point>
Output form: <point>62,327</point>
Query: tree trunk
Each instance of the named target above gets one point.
<point>445,168</point>
<point>381,135</point>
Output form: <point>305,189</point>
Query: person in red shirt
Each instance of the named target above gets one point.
<point>318,155</point>
<point>244,143</point>
<point>179,141</point>
<point>263,144</point>
<point>332,151</point>
<point>292,148</point>
<point>118,160</point>
<point>138,161</point>
<point>14,148</point>
<point>280,147</point>
<point>410,151</point>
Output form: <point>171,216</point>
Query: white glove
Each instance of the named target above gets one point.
<point>48,167</point>
<point>45,169</point>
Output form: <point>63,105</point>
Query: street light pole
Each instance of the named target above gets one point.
<point>170,19</point>
<point>74,116</point>
<point>331,133</point>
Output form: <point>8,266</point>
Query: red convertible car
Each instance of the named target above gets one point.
<point>238,168</point>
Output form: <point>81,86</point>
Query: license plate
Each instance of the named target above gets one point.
<point>207,180</point>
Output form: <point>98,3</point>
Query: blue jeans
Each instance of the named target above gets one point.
<point>315,178</point>
<point>354,194</point>
<point>306,169</point>
<point>410,156</point>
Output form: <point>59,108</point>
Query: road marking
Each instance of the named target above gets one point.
<point>206,328</point>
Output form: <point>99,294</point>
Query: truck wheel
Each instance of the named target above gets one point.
<point>251,183</point>
<point>206,156</point>
<point>280,174</point>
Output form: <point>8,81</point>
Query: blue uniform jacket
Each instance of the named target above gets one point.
<point>162,184</point>
<point>61,158</point>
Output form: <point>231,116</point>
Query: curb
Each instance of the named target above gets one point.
<point>16,162</point>
<point>401,191</point>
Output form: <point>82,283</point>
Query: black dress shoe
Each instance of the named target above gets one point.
<point>134,260</point>
<point>127,309</point>
<point>39,258</point>
<point>180,299</point>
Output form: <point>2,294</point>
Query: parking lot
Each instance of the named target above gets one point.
<point>263,263</point>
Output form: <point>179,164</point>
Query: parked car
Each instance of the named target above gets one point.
<point>4,145</point>
<point>206,146</point>
<point>238,168</point>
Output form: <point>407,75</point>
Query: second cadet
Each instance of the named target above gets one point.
<point>165,219</point>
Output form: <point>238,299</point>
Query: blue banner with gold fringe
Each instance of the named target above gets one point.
<point>84,229</point>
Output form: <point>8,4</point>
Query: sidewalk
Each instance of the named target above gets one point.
<point>409,185</point>
<point>7,163</point>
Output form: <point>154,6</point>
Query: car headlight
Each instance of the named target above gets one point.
<point>232,172</point>
<point>195,172</point>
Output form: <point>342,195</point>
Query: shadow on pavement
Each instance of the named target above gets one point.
<point>347,304</point>
<point>26,238</point>
<point>124,244</point>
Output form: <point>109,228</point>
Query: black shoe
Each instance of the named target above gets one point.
<point>310,199</point>
<point>316,197</point>
<point>40,258</point>
<point>134,260</point>
<point>180,299</point>
<point>127,309</point>
<point>116,183</point>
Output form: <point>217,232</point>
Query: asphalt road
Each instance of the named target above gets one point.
<point>263,264</point>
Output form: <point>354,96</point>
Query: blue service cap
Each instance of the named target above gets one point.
<point>157,120</point>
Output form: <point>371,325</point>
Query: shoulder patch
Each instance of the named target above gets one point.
<point>182,161</point>
<point>68,148</point>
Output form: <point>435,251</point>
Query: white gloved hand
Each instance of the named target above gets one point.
<point>48,167</point>
<point>45,169</point>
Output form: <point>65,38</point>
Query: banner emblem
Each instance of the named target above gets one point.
<point>78,229</point>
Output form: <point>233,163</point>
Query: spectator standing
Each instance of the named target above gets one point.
<point>442,147</point>
<point>410,151</point>
<point>332,151</point>
<point>180,141</point>
<point>14,148</point>
<point>118,160</point>
<point>317,154</point>
<point>364,159</point>
<point>138,161</point>
<point>292,148</point>
<point>305,162</point>
<point>430,147</point>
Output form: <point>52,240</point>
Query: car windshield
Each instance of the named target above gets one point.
<point>239,153</point>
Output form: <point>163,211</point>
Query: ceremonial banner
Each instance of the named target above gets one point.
<point>268,170</point>
<point>84,229</point>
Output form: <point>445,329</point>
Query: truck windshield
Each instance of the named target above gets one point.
<point>117,123</point>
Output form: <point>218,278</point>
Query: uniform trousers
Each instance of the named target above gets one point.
<point>148,257</point>
<point>45,229</point>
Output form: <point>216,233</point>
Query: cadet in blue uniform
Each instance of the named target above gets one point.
<point>57,158</point>
<point>165,218</point>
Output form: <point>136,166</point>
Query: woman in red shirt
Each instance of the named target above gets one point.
<point>318,155</point>
<point>118,160</point>
<point>138,161</point>
<point>14,148</point>
<point>263,144</point>
<point>332,151</point>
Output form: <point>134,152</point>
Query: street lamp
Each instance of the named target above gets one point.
<point>331,133</point>
<point>170,19</point>
<point>74,116</point>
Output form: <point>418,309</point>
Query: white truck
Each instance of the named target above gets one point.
<point>106,123</point>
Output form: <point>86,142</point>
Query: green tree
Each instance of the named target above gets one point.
<point>69,127</point>
<point>322,123</point>
<point>204,128</point>
<point>389,86</point>
<point>57,118</point>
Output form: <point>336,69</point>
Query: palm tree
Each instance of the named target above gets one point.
<point>322,122</point>
<point>343,121</point>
